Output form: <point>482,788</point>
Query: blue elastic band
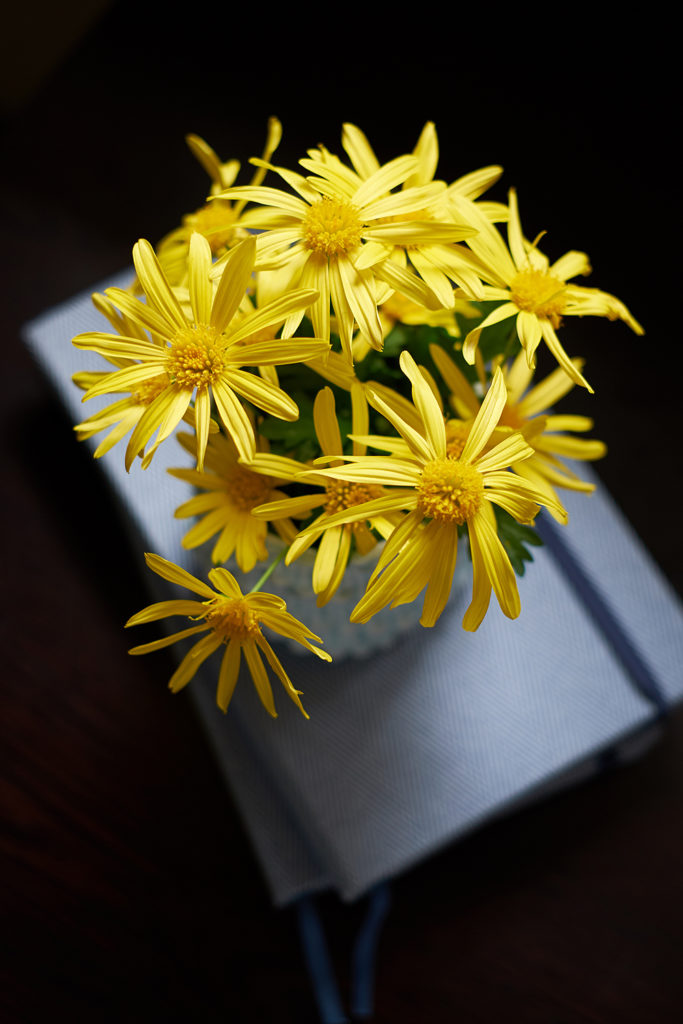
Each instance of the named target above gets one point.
<point>318,963</point>
<point>364,951</point>
<point>640,674</point>
<point>362,964</point>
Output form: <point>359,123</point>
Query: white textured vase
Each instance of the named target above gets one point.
<point>341,638</point>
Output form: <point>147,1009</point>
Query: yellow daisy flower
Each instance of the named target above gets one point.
<point>217,221</point>
<point>317,238</point>
<point>335,546</point>
<point>534,291</point>
<point>437,262</point>
<point>526,410</point>
<point>434,259</point>
<point>229,618</point>
<point>441,493</point>
<point>230,491</point>
<point>201,356</point>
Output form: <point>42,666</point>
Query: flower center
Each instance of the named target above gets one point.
<point>457,432</point>
<point>341,494</point>
<point>510,417</point>
<point>399,307</point>
<point>332,227</point>
<point>537,292</point>
<point>248,489</point>
<point>148,390</point>
<point>195,358</point>
<point>450,491</point>
<point>216,221</point>
<point>232,616</point>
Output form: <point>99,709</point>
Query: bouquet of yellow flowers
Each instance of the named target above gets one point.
<point>354,355</point>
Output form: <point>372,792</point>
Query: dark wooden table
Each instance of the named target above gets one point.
<point>129,889</point>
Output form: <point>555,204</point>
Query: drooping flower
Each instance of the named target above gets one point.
<point>203,355</point>
<point>229,491</point>
<point>534,291</point>
<point>330,494</point>
<point>228,618</point>
<point>527,410</point>
<point>441,493</point>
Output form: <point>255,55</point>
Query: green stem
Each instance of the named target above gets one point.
<point>255,589</point>
<point>509,344</point>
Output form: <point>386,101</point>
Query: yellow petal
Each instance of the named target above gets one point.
<point>272,314</point>
<point>360,420</point>
<point>289,507</point>
<point>572,447</point>
<point>515,237</point>
<point>166,641</point>
<point>504,312</point>
<point>164,609</point>
<point>115,346</point>
<point>555,346</point>
<point>279,671</point>
<point>235,420</point>
<point>228,675</point>
<point>199,265</point>
<point>481,587</point>
<point>202,411</point>
<point>209,525</point>
<point>570,265</point>
<point>396,541</point>
<point>326,424</point>
<point>187,668</point>
<point>427,152</point>
<point>267,197</point>
<point>487,418</point>
<point>529,331</point>
<point>138,311</point>
<point>429,408</point>
<point>399,583</point>
<point>259,676</point>
<point>445,544</point>
<point>235,275</point>
<point>455,379</point>
<point>156,287</point>
<point>360,298</point>
<point>326,558</point>
<point>174,574</point>
<point>417,444</point>
<point>384,179</point>
<point>263,394</point>
<point>342,561</point>
<point>510,450</point>
<point>154,417</point>
<point>497,565</point>
<point>359,150</point>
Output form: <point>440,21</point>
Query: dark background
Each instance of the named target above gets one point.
<point>131,891</point>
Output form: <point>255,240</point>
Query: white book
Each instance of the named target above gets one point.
<point>407,750</point>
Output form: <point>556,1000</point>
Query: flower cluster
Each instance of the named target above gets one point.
<point>355,355</point>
